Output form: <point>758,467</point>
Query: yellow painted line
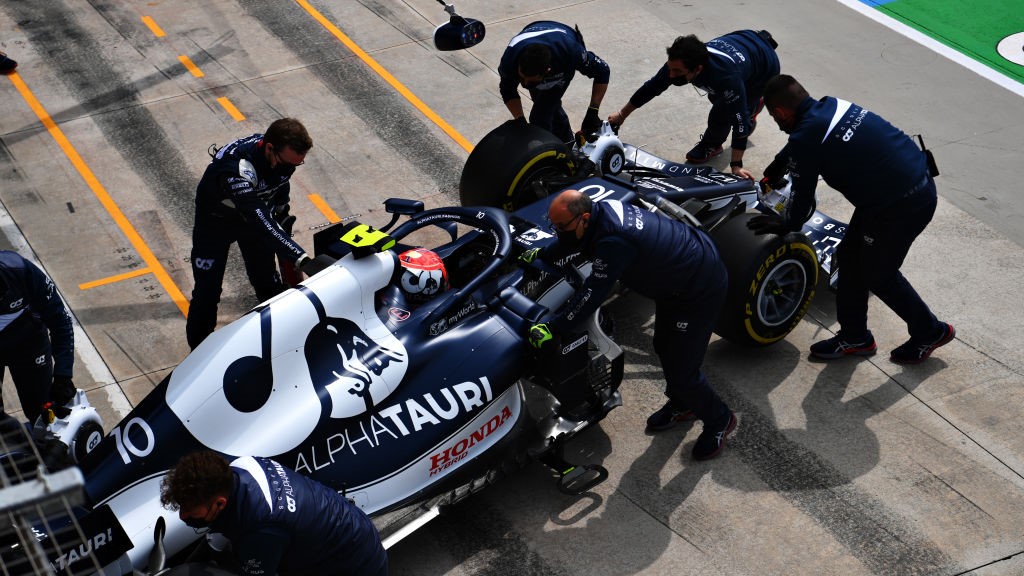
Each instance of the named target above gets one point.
<point>191,66</point>
<point>101,194</point>
<point>238,116</point>
<point>112,279</point>
<point>386,75</point>
<point>324,208</point>
<point>153,27</point>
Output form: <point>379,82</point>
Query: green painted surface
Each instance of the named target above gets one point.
<point>973,28</point>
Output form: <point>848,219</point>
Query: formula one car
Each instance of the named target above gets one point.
<point>408,406</point>
<point>403,407</point>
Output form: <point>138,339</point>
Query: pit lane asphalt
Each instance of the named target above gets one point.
<point>851,467</point>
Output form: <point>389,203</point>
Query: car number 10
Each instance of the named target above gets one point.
<point>126,445</point>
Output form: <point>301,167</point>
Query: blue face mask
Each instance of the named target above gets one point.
<point>679,81</point>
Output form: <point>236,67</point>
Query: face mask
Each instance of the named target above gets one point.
<point>284,170</point>
<point>197,523</point>
<point>679,81</point>
<point>569,239</point>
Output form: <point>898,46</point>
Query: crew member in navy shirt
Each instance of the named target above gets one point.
<point>37,339</point>
<point>733,70</point>
<point>544,57</point>
<point>275,520</point>
<point>243,197</point>
<point>668,261</point>
<point>888,179</point>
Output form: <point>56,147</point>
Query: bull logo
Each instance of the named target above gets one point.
<point>355,371</point>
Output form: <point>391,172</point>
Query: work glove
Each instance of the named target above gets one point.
<point>775,170</point>
<point>768,224</point>
<point>539,335</point>
<point>591,121</point>
<point>313,266</point>
<point>62,390</point>
<point>529,256</point>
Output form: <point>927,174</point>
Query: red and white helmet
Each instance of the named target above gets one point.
<point>424,276</point>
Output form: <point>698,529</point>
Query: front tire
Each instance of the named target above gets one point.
<point>771,282</point>
<point>503,168</point>
<point>85,440</point>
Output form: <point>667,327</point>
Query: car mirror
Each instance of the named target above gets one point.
<point>458,33</point>
<point>403,206</point>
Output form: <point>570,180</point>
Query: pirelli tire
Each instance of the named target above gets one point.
<point>502,168</point>
<point>772,280</point>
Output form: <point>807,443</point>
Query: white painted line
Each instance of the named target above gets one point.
<point>929,42</point>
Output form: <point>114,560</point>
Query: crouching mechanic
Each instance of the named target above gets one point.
<point>888,179</point>
<point>544,57</point>
<point>733,70</point>
<point>37,339</point>
<point>274,520</point>
<point>243,197</point>
<point>670,262</point>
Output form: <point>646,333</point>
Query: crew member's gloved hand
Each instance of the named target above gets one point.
<point>774,171</point>
<point>591,122</point>
<point>529,256</point>
<point>313,266</point>
<point>768,224</point>
<point>539,335</point>
<point>62,390</point>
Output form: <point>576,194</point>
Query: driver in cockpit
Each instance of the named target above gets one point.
<point>423,277</point>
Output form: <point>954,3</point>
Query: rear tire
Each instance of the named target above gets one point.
<point>771,282</point>
<point>501,170</point>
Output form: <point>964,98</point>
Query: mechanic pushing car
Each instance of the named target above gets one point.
<point>663,259</point>
<point>243,197</point>
<point>889,181</point>
<point>271,520</point>
<point>733,70</point>
<point>544,57</point>
<point>37,339</point>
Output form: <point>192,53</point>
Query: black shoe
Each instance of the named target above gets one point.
<point>911,352</point>
<point>667,417</point>
<point>702,152</point>
<point>6,64</point>
<point>712,439</point>
<point>839,346</point>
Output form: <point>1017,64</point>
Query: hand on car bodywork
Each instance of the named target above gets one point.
<point>62,390</point>
<point>591,121</point>
<point>312,266</point>
<point>539,335</point>
<point>768,224</point>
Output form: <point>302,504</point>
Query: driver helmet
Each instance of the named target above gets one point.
<point>423,275</point>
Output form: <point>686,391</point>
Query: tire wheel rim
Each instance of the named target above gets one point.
<point>524,195</point>
<point>781,293</point>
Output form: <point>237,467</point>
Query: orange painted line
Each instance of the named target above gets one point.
<point>101,194</point>
<point>227,105</point>
<point>459,139</point>
<point>112,279</point>
<point>191,66</point>
<point>324,208</point>
<point>153,27</point>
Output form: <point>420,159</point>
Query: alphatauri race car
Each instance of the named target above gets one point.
<point>406,406</point>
